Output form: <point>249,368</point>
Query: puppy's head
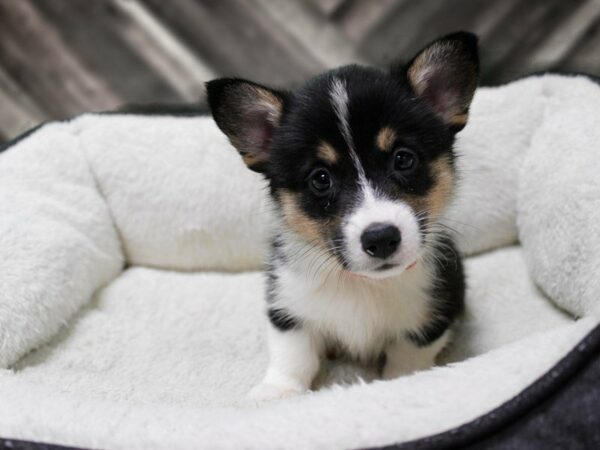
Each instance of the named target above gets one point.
<point>359,160</point>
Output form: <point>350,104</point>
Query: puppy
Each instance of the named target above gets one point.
<point>360,166</point>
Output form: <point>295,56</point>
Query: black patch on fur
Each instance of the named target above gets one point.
<point>279,317</point>
<point>282,320</point>
<point>447,294</point>
<point>272,280</point>
<point>276,258</point>
<point>21,137</point>
<point>158,109</point>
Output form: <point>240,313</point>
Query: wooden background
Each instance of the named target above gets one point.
<point>59,58</point>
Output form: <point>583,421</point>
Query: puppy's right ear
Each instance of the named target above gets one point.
<point>248,114</point>
<point>445,75</point>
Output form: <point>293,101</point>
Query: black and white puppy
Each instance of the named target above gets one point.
<point>360,165</point>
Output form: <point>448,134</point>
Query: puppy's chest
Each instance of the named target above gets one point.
<point>360,315</point>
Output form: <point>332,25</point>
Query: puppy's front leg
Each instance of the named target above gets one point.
<point>294,362</point>
<point>403,357</point>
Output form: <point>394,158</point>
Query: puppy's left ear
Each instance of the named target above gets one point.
<point>248,114</point>
<point>445,75</point>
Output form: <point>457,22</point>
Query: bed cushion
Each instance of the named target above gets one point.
<point>131,297</point>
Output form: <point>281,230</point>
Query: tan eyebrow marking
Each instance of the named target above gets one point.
<point>327,153</point>
<point>385,139</point>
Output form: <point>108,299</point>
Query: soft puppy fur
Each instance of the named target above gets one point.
<point>360,166</point>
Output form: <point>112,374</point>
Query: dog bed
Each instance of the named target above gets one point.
<point>131,297</point>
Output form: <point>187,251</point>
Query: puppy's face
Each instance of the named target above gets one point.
<point>359,160</point>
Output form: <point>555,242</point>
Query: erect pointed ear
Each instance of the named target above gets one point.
<point>445,75</point>
<point>248,114</point>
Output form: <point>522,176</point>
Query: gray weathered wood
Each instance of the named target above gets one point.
<point>18,111</point>
<point>44,64</point>
<point>64,57</point>
<point>238,39</point>
<point>94,30</point>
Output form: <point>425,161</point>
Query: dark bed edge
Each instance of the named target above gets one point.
<point>158,110</point>
<point>560,410</point>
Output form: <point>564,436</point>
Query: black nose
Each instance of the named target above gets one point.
<point>380,240</point>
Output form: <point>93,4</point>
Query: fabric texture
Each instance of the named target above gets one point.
<point>560,410</point>
<point>131,301</point>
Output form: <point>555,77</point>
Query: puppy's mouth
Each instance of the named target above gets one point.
<point>386,266</point>
<point>395,267</point>
<point>385,270</point>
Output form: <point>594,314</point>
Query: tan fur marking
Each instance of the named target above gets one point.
<point>416,75</point>
<point>419,73</point>
<point>440,194</point>
<point>274,104</point>
<point>305,226</point>
<point>385,139</point>
<point>251,159</point>
<point>459,119</point>
<point>327,153</point>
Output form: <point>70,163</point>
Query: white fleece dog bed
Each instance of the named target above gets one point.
<point>131,303</point>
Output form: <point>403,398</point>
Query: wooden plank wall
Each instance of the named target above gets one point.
<point>59,58</point>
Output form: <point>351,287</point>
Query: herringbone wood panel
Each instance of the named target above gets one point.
<point>59,58</point>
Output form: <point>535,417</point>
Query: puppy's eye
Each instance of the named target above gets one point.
<point>405,160</point>
<point>320,182</point>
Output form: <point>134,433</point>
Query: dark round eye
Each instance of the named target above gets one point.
<point>320,181</point>
<point>405,160</point>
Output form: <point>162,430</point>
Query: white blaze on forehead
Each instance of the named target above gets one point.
<point>373,207</point>
<point>338,93</point>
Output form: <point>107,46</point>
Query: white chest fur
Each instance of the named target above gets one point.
<point>361,314</point>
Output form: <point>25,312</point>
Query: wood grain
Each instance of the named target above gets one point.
<point>59,58</point>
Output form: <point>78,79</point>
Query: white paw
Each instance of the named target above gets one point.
<point>265,392</point>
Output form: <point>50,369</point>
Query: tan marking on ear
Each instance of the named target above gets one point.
<point>263,100</point>
<point>385,139</point>
<point>298,221</point>
<point>420,72</point>
<point>272,102</point>
<point>327,153</point>
<point>439,196</point>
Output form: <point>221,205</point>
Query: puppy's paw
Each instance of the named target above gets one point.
<point>265,392</point>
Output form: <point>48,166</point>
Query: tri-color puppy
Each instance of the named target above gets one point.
<point>360,165</point>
